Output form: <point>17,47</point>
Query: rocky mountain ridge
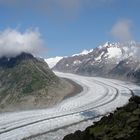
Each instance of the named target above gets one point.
<point>109,60</point>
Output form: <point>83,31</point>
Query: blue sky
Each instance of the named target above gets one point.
<point>69,26</point>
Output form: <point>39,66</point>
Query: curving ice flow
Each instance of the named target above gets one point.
<point>99,96</point>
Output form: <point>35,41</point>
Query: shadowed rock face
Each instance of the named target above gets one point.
<point>11,62</point>
<point>123,124</point>
<point>25,81</point>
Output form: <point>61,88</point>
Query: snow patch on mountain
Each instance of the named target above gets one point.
<point>114,52</point>
<point>77,62</point>
<point>53,61</point>
<point>99,57</point>
<point>84,52</point>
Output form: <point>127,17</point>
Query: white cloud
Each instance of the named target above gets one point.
<point>13,42</point>
<point>122,30</point>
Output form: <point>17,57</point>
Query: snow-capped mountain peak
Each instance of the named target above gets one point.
<point>110,59</point>
<point>107,44</point>
<point>53,61</point>
<point>119,51</point>
<point>84,52</point>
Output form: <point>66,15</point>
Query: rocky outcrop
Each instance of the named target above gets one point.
<point>123,124</point>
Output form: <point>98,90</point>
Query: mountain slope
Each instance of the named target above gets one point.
<point>27,82</point>
<point>111,59</point>
<point>53,61</point>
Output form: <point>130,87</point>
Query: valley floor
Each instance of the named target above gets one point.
<point>99,97</point>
